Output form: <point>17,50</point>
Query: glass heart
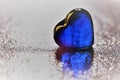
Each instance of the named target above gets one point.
<point>76,30</point>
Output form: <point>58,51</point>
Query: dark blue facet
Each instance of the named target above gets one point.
<point>77,32</point>
<point>75,61</point>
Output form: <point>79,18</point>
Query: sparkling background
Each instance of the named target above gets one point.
<point>27,48</point>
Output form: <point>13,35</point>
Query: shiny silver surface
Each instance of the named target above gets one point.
<point>27,48</point>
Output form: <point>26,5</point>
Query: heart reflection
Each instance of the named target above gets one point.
<point>77,61</point>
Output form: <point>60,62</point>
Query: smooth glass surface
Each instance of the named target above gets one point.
<point>79,31</point>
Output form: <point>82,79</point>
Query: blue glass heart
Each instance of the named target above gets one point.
<point>76,30</point>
